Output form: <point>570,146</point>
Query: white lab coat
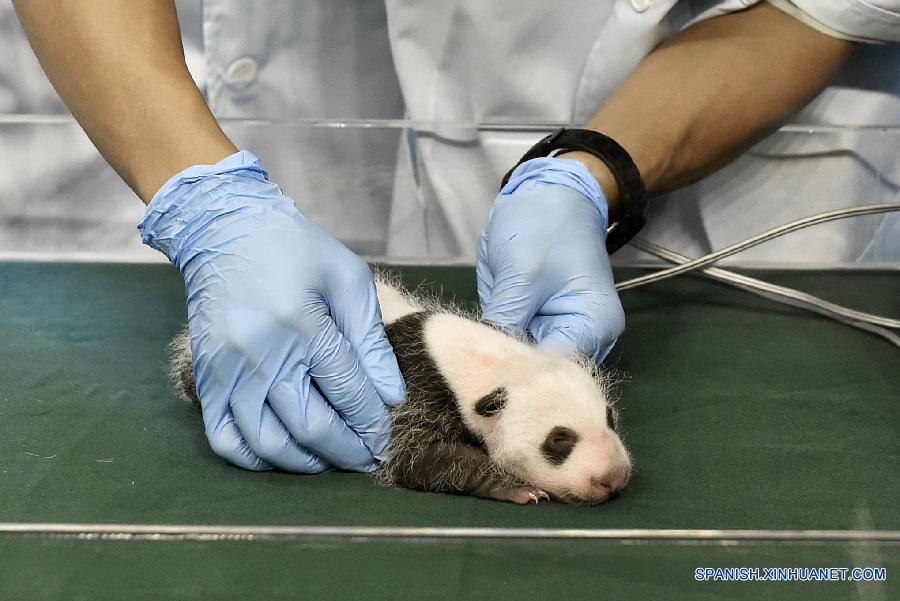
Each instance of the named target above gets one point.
<point>422,193</point>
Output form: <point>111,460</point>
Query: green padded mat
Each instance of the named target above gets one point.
<point>740,414</point>
<point>76,570</point>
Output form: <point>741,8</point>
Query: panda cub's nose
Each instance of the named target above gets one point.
<point>612,481</point>
<point>607,486</point>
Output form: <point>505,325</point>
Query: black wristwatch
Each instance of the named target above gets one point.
<point>632,194</point>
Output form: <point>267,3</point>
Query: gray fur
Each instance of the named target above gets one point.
<point>181,368</point>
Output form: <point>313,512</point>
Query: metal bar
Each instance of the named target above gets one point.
<point>236,533</point>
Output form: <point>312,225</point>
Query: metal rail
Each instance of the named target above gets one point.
<point>225,533</point>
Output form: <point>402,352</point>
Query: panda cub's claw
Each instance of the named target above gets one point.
<point>538,496</point>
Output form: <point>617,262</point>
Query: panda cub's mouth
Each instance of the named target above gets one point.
<point>572,498</point>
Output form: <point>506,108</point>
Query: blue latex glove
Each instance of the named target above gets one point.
<point>542,261</point>
<point>292,364</point>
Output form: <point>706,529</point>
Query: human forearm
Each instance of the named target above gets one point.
<point>705,95</point>
<point>119,67</point>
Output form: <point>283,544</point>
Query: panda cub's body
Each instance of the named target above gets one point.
<point>490,415</point>
<point>486,414</point>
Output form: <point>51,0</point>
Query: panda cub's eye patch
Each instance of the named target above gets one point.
<point>559,444</point>
<point>612,419</point>
<point>491,403</point>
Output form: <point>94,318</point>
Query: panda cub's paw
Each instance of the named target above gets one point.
<point>521,495</point>
<point>502,487</point>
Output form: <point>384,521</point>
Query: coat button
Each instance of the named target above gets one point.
<point>242,71</point>
<point>640,5</point>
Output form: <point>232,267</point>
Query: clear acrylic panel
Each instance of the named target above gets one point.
<point>420,192</point>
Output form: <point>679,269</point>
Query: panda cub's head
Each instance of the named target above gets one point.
<point>543,418</point>
<point>553,428</point>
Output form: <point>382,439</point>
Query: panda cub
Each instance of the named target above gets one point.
<point>486,413</point>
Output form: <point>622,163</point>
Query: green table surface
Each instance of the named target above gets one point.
<point>740,414</point>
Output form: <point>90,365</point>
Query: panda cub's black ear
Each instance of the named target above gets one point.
<point>491,403</point>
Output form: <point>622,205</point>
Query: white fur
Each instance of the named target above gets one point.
<point>394,303</point>
<point>544,391</point>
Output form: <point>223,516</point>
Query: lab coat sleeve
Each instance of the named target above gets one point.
<point>859,20</point>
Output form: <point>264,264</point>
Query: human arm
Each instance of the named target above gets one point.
<point>292,364</point>
<point>119,67</point>
<point>690,107</point>
<point>701,98</point>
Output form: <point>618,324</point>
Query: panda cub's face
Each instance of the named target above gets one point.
<point>554,428</point>
<point>542,417</point>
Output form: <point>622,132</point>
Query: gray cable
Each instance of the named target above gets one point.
<point>782,294</point>
<point>756,240</point>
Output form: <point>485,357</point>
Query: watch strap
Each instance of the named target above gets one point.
<point>632,194</point>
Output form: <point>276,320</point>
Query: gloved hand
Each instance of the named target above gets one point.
<point>542,261</point>
<point>292,364</point>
